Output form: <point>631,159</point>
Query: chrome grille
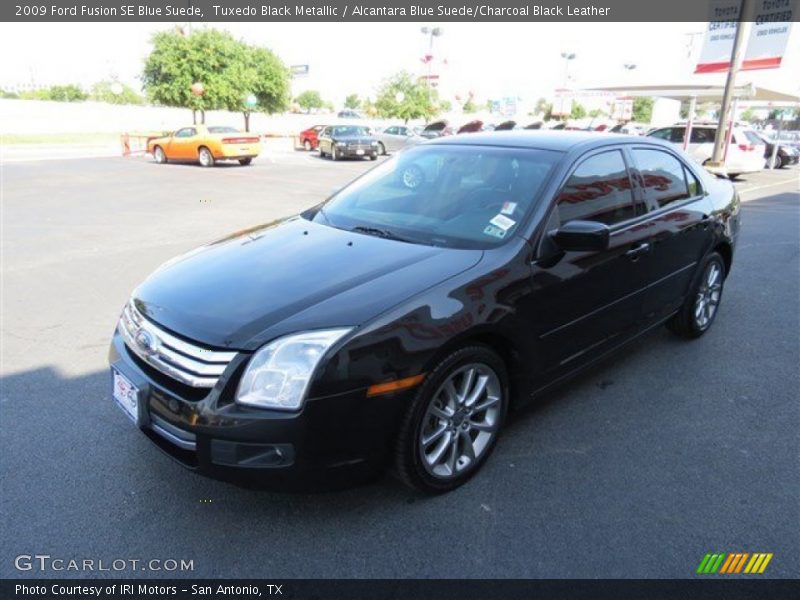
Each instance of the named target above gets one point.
<point>193,365</point>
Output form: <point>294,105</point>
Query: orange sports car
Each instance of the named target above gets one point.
<point>206,145</point>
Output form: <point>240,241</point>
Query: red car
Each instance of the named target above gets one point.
<point>308,139</point>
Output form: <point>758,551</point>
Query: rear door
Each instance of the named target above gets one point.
<point>678,226</point>
<point>589,301</point>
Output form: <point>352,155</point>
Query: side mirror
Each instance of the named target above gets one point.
<point>581,236</point>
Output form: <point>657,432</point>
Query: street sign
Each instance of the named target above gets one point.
<point>769,33</point>
<point>299,70</point>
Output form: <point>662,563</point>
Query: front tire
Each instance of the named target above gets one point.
<point>454,421</point>
<point>381,149</point>
<point>159,155</point>
<point>334,153</point>
<point>702,303</point>
<point>204,157</point>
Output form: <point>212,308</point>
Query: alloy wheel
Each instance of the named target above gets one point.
<point>708,295</point>
<point>461,421</point>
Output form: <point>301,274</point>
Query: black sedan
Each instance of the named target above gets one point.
<point>785,156</point>
<point>347,141</point>
<point>398,322</point>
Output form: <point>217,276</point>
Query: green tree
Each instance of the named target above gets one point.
<point>643,109</point>
<point>8,94</point>
<point>542,107</point>
<point>352,101</point>
<point>445,105</point>
<point>597,112</point>
<point>310,99</point>
<point>469,106</point>
<point>103,91</point>
<point>228,69</point>
<point>58,93</point>
<point>402,96</point>
<point>578,111</point>
<point>748,115</point>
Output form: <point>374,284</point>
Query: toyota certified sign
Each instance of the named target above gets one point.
<point>770,26</point>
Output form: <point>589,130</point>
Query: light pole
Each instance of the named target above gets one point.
<point>431,32</point>
<point>567,56</point>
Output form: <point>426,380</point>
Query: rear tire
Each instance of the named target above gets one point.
<point>778,164</point>
<point>465,395</point>
<point>245,161</point>
<point>204,157</point>
<point>381,149</point>
<point>334,154</point>
<point>733,176</point>
<point>702,303</point>
<point>159,156</point>
<point>307,145</point>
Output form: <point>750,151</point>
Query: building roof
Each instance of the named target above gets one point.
<point>710,93</point>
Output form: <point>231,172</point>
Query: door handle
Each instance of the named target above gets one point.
<point>635,252</point>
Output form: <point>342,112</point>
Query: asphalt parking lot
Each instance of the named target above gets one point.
<point>668,451</point>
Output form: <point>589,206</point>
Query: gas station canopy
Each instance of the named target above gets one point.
<point>703,93</point>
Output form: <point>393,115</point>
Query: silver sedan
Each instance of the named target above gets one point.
<point>395,138</point>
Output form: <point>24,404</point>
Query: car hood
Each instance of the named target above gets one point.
<point>288,276</point>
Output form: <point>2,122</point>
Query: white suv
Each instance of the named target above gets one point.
<point>742,156</point>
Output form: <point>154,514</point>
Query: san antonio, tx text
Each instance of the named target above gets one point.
<point>477,10</point>
<point>140,589</point>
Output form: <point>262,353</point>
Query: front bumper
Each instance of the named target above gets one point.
<point>332,441</point>
<point>351,152</point>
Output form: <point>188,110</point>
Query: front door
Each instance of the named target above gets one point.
<point>588,301</point>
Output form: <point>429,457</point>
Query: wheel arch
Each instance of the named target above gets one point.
<point>726,252</point>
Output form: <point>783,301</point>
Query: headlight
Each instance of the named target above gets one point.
<point>341,143</point>
<point>278,374</point>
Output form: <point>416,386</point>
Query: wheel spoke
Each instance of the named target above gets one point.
<point>478,390</point>
<point>441,413</point>
<point>482,425</point>
<point>428,440</point>
<point>466,386</point>
<point>436,456</point>
<point>453,454</point>
<point>451,393</point>
<point>469,449</point>
<point>488,403</point>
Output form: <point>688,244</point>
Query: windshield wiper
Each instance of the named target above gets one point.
<point>377,231</point>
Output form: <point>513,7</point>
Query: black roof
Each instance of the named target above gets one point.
<point>562,141</point>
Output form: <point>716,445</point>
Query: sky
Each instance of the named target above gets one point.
<point>492,60</point>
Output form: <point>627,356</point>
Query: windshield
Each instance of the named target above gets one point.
<point>219,129</point>
<point>456,196</point>
<point>350,130</point>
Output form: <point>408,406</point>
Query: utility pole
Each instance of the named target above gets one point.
<point>730,84</point>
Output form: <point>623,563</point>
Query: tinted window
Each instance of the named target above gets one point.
<point>662,134</point>
<point>327,131</point>
<point>663,174</point>
<point>598,190</point>
<point>703,135</point>
<point>391,130</point>
<point>221,129</point>
<point>350,130</point>
<point>458,196</point>
<point>694,186</point>
<point>402,131</point>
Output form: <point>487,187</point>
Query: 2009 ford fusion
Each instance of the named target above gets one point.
<point>396,323</point>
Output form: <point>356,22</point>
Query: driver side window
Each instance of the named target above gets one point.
<point>185,132</point>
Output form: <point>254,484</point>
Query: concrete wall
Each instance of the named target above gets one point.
<point>36,117</point>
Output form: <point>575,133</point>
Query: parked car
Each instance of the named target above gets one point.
<point>308,139</point>
<point>349,113</point>
<point>471,127</point>
<point>436,129</point>
<point>743,156</point>
<point>205,145</point>
<point>396,137</point>
<point>785,156</point>
<point>347,141</point>
<point>630,128</point>
<point>505,126</point>
<point>398,325</point>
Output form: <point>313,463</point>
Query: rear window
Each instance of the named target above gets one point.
<point>703,135</point>
<point>220,129</point>
<point>664,176</point>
